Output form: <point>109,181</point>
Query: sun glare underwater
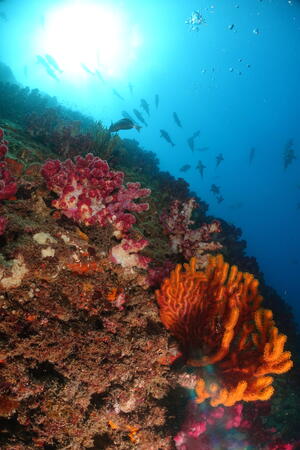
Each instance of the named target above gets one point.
<point>149,224</point>
<point>97,34</point>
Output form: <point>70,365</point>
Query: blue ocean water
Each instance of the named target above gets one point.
<point>234,76</point>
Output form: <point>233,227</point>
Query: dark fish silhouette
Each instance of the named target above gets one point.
<point>219,159</point>
<point>176,119</point>
<point>140,117</point>
<point>220,199</point>
<point>3,16</point>
<point>145,106</point>
<point>215,189</point>
<point>185,168</point>
<point>289,154</point>
<point>116,93</point>
<point>98,75</point>
<point>191,140</point>
<point>289,157</point>
<point>201,168</point>
<point>156,100</point>
<point>123,124</point>
<point>237,205</point>
<point>52,62</point>
<point>201,149</point>
<point>251,154</point>
<point>86,69</point>
<point>165,135</point>
<point>46,66</point>
<point>191,143</point>
<point>130,87</point>
<point>127,116</point>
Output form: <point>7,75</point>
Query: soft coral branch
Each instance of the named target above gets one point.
<point>190,242</point>
<point>89,192</point>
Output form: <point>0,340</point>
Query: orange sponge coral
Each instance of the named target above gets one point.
<point>215,314</point>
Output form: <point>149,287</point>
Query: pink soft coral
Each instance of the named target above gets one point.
<point>89,192</point>
<point>126,254</point>
<point>188,241</point>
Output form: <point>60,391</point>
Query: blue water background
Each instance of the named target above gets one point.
<point>239,87</point>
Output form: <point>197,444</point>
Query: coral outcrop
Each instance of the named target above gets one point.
<point>217,317</point>
<point>80,343</point>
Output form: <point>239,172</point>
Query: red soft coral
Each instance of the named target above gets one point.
<point>89,192</point>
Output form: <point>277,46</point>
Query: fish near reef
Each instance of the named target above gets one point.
<point>52,62</point>
<point>117,94</point>
<point>166,136</point>
<point>99,76</point>
<point>127,116</point>
<point>191,140</point>
<point>202,149</point>
<point>86,69</point>
<point>145,106</point>
<point>201,168</point>
<point>123,124</point>
<point>185,168</point>
<point>251,154</point>
<point>41,60</point>
<point>130,87</point>
<point>176,120</point>
<point>289,153</point>
<point>215,189</point>
<point>219,159</point>
<point>140,117</point>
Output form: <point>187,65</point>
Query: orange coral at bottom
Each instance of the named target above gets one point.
<point>216,316</point>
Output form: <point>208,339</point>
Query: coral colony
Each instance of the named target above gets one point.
<point>91,355</point>
<point>217,317</point>
<point>190,242</point>
<point>89,192</point>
